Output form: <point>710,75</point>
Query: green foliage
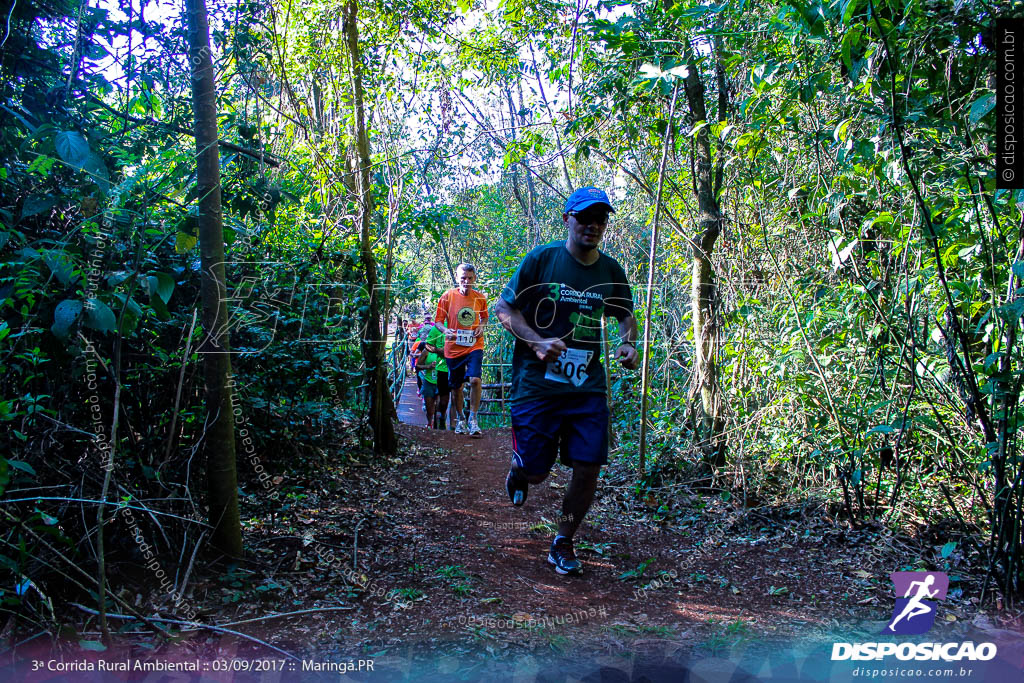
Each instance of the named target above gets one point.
<point>850,147</point>
<point>458,581</point>
<point>636,574</point>
<point>99,286</point>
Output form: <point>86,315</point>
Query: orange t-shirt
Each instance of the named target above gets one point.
<point>460,312</point>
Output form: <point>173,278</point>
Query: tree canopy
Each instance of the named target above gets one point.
<point>832,300</point>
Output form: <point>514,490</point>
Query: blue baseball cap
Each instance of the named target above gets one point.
<point>586,197</point>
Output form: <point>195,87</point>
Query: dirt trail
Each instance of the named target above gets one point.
<point>466,572</point>
<point>481,563</point>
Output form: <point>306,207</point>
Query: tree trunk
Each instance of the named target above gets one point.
<point>554,123</point>
<point>645,370</point>
<point>219,440</point>
<point>531,191</point>
<point>381,406</point>
<point>704,295</point>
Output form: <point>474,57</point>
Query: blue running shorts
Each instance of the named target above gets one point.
<point>464,367</point>
<point>574,426</point>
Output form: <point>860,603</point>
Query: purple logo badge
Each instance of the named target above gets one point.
<point>916,593</point>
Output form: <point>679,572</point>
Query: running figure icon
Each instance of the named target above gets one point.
<point>915,607</point>
<point>915,612</point>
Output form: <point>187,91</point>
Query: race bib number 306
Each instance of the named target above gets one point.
<point>570,367</point>
<point>464,338</point>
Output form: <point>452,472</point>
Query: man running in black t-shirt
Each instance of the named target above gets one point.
<point>554,305</point>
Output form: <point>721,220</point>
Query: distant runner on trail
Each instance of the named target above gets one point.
<point>414,355</point>
<point>418,345</point>
<point>427,365</point>
<point>463,311</point>
<point>554,305</point>
<point>435,344</point>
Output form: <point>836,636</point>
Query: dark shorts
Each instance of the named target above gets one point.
<point>442,383</point>
<point>464,367</point>
<point>429,389</point>
<point>574,426</point>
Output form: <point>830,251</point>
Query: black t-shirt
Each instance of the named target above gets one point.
<point>560,297</point>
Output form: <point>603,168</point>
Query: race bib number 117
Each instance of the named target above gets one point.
<point>570,367</point>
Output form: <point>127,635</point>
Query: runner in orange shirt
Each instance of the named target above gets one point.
<point>463,312</point>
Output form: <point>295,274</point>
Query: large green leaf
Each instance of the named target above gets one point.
<point>97,171</point>
<point>161,285</point>
<point>160,307</point>
<point>23,466</point>
<point>36,204</point>
<point>847,8</point>
<point>98,316</point>
<point>129,304</point>
<point>183,242</point>
<point>64,316</point>
<point>131,313</point>
<point>1012,311</point>
<point>72,147</point>
<point>60,265</point>
<point>981,107</point>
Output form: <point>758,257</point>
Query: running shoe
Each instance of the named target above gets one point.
<point>563,556</point>
<point>460,427</point>
<point>516,488</point>
<point>474,428</point>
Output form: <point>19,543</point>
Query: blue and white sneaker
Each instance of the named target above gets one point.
<point>516,488</point>
<point>563,556</point>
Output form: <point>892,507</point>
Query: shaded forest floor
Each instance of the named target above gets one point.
<point>470,568</point>
<point>448,570</point>
<point>446,566</point>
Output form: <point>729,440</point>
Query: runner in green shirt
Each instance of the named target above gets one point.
<point>435,345</point>
<point>428,373</point>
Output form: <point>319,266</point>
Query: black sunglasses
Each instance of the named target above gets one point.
<point>591,217</point>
